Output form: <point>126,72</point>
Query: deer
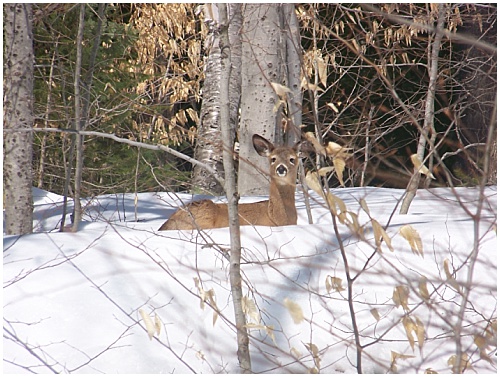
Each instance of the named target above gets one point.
<point>279,210</point>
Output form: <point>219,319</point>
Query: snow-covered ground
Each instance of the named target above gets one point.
<point>72,301</point>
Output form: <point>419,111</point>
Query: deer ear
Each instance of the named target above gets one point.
<point>262,146</point>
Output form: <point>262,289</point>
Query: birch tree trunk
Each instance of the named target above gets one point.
<point>209,141</point>
<point>208,148</point>
<point>261,66</point>
<point>18,115</point>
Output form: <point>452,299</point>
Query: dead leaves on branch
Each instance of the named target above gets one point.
<point>152,327</point>
<point>169,49</point>
<point>333,283</point>
<point>335,152</point>
<point>420,167</point>
<point>400,297</point>
<point>411,235</point>
<point>207,297</point>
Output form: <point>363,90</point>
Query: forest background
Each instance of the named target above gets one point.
<point>149,72</point>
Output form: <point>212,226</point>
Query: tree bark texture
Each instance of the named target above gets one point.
<point>18,115</point>
<point>243,351</point>
<point>77,211</point>
<point>291,31</point>
<point>208,148</point>
<point>209,142</point>
<point>261,66</point>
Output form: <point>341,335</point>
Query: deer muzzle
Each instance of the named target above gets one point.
<point>281,170</point>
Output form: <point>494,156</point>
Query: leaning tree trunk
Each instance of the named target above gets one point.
<point>18,118</point>
<point>261,66</point>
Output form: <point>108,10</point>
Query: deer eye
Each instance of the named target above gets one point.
<point>292,160</point>
<point>273,160</point>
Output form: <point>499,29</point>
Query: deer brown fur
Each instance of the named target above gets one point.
<point>277,211</point>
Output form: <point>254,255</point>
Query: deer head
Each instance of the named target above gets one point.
<point>283,161</point>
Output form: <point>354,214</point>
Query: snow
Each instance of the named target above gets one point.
<point>71,301</point>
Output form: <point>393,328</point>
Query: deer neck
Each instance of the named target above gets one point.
<point>282,204</point>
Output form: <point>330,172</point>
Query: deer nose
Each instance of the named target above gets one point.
<point>281,170</point>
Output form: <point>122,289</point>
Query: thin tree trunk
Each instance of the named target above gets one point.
<point>41,165</point>
<point>232,196</point>
<point>77,211</point>
<point>82,103</point>
<point>235,25</point>
<point>18,116</point>
<point>411,190</point>
<point>293,60</point>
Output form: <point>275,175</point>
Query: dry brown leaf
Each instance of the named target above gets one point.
<point>322,70</point>
<point>354,225</point>
<point>339,165</point>
<point>491,331</point>
<point>312,181</point>
<point>400,296</point>
<point>314,351</point>
<point>333,283</point>
<point>148,322</point>
<point>464,363</point>
<point>362,203</point>
<point>270,333</point>
<point>304,84</point>
<point>411,235</point>
<point>295,310</point>
<point>335,150</point>
<point>207,296</point>
<point>409,327</point>
<point>158,324</point>
<point>480,341</point>
<point>422,288</point>
<point>333,107</point>
<point>419,165</point>
<point>310,137</point>
<point>334,202</point>
<point>430,371</point>
<point>375,314</point>
<point>324,171</point>
<point>250,309</point>
<point>280,90</point>
<point>380,234</point>
<point>420,332</point>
